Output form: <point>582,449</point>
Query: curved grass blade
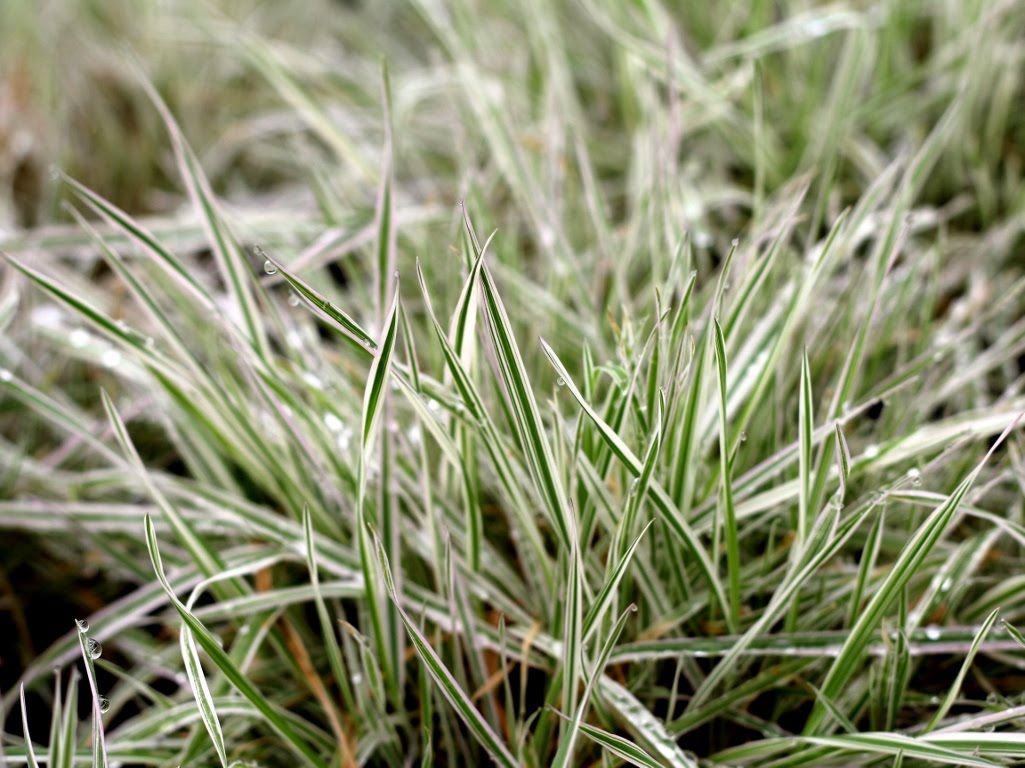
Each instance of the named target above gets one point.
<point>350,329</point>
<point>275,719</point>
<point>447,684</point>
<point>201,692</point>
<point>896,744</point>
<point>30,751</point>
<point>527,418</point>
<point>230,261</point>
<point>643,724</point>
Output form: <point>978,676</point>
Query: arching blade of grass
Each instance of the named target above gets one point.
<point>643,724</point>
<point>527,417</point>
<point>361,340</point>
<point>230,261</point>
<point>223,662</point>
<point>446,683</point>
<point>106,325</point>
<point>620,746</point>
<point>998,745</point>
<point>201,691</point>
<point>895,744</point>
<point>29,749</point>
<point>145,239</point>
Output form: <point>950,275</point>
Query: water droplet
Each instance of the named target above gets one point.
<point>743,437</point>
<point>293,299</point>
<point>82,624</point>
<point>946,585</point>
<point>5,375</point>
<point>915,475</point>
<point>395,273</point>
<point>561,382</point>
<point>93,648</point>
<point>932,632</point>
<point>313,380</point>
<point>934,700</point>
<point>104,704</point>
<point>293,338</point>
<point>332,422</point>
<point>735,242</point>
<point>78,338</point>
<point>872,451</point>
<point>269,268</point>
<point>111,358</point>
<point>357,678</point>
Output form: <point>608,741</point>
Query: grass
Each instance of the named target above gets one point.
<point>527,383</point>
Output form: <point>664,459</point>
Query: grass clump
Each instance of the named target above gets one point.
<point>644,392</point>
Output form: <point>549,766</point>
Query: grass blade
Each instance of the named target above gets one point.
<point>446,683</point>
<point>223,662</point>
